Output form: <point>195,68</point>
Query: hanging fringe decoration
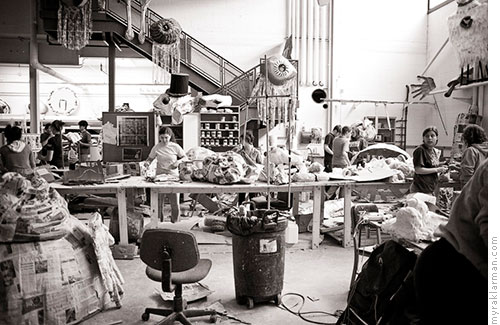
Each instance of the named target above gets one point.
<point>166,34</point>
<point>277,107</point>
<point>74,24</point>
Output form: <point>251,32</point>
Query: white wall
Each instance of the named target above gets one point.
<point>241,31</point>
<point>379,47</point>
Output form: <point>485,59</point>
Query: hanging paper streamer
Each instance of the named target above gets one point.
<point>166,35</point>
<point>74,24</point>
<point>277,107</point>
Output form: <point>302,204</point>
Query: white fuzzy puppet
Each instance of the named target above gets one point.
<point>468,29</point>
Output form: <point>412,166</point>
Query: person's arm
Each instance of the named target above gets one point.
<point>44,142</point>
<point>433,170</point>
<point>345,152</point>
<point>151,157</point>
<point>2,164</point>
<point>418,163</point>
<point>326,146</point>
<point>258,158</point>
<point>181,156</point>
<point>86,140</point>
<point>32,159</point>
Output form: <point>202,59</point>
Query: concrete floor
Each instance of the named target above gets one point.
<point>322,274</point>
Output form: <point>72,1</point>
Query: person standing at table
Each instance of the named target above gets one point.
<point>328,147</point>
<point>44,139</point>
<point>341,149</point>
<point>168,155</point>
<point>476,152</point>
<point>54,145</point>
<point>85,142</point>
<point>16,155</point>
<point>426,163</point>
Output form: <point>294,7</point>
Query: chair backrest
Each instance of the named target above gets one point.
<point>181,246</point>
<point>358,208</point>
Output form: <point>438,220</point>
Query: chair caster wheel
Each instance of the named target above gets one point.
<point>213,318</point>
<point>277,299</point>
<point>249,302</point>
<point>145,316</point>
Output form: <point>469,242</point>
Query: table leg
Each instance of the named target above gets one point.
<point>317,192</point>
<point>155,208</point>
<point>347,238</point>
<point>122,216</point>
<point>295,207</point>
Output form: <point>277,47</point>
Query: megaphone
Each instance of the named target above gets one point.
<point>318,96</point>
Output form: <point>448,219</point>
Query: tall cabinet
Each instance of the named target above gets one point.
<point>220,128</point>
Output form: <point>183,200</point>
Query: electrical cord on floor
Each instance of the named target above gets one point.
<point>300,313</point>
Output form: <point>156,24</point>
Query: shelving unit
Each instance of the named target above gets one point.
<point>220,129</point>
<point>385,133</point>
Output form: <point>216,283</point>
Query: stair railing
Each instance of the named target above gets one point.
<point>194,54</point>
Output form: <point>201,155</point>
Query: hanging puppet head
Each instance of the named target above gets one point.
<point>468,29</point>
<point>166,35</point>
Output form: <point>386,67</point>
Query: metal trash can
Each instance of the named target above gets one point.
<point>258,255</point>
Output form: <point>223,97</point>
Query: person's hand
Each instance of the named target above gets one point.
<point>442,169</point>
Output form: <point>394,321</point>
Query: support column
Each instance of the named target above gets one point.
<point>33,72</point>
<point>111,74</point>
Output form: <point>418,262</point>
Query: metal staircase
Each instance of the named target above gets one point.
<point>208,70</point>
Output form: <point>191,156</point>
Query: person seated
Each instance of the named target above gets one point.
<point>16,156</point>
<point>476,152</point>
<point>451,274</point>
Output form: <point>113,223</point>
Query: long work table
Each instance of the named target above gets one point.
<point>119,189</point>
<point>317,189</point>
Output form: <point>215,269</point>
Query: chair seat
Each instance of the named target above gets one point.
<point>196,274</point>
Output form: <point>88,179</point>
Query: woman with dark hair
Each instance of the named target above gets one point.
<point>168,155</point>
<point>426,163</point>
<point>16,155</point>
<point>476,152</point>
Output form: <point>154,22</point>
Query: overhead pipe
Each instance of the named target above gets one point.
<point>303,41</point>
<point>316,40</point>
<point>330,73</point>
<point>310,37</point>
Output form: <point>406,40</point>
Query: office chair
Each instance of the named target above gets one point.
<point>359,224</point>
<point>173,259</point>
